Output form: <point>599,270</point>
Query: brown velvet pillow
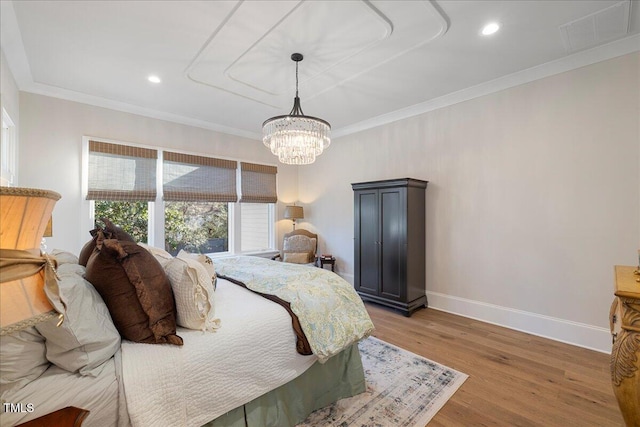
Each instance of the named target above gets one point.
<point>136,290</point>
<point>88,248</point>
<point>112,231</point>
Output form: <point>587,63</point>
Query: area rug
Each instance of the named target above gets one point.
<point>403,389</point>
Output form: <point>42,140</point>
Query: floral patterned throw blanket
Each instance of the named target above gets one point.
<point>330,312</point>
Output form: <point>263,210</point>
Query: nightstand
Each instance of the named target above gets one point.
<point>328,261</point>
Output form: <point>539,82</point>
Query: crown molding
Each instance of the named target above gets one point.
<point>69,95</point>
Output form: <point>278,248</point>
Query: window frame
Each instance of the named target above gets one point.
<point>156,234</point>
<point>9,151</point>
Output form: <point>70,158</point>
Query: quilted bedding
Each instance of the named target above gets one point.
<point>213,372</point>
<point>330,312</point>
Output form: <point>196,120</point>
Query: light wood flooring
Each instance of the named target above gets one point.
<point>515,379</point>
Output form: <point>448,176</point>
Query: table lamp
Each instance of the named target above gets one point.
<point>24,271</point>
<point>293,213</point>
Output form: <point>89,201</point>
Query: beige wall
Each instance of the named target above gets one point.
<point>51,154</point>
<point>533,197</point>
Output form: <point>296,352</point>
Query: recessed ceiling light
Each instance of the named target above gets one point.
<point>154,79</point>
<point>490,28</point>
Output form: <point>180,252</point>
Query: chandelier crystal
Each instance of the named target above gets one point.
<point>295,138</point>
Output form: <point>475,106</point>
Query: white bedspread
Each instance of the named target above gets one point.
<point>252,353</point>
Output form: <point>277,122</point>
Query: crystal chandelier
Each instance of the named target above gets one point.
<point>295,138</point>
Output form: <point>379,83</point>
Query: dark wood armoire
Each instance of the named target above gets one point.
<point>389,250</point>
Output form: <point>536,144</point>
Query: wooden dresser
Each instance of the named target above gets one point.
<point>625,354</point>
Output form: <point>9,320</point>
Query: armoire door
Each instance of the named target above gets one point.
<point>366,242</point>
<point>392,243</point>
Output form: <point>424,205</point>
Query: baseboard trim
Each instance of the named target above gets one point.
<point>566,331</point>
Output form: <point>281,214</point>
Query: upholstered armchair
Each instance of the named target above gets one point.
<point>299,247</point>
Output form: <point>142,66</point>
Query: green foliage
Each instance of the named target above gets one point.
<point>195,227</point>
<point>132,217</point>
<point>192,226</point>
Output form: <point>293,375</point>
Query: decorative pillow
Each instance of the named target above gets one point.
<point>112,231</point>
<point>87,338</point>
<point>64,257</point>
<point>194,293</point>
<point>70,270</point>
<point>162,256</point>
<point>136,290</point>
<point>88,248</point>
<point>296,257</point>
<point>22,359</point>
<point>206,262</point>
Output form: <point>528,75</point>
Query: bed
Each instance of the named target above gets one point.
<point>247,372</point>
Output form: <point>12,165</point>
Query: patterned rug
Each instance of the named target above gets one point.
<point>403,389</point>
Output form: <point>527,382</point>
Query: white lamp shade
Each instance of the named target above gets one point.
<point>24,214</point>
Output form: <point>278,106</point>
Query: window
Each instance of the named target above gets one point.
<point>193,197</point>
<point>121,181</point>
<point>255,233</point>
<point>258,192</point>
<point>197,191</point>
<point>7,150</point>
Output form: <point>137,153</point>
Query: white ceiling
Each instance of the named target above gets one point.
<point>225,65</point>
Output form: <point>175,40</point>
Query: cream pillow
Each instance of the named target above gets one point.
<point>64,257</point>
<point>87,337</point>
<point>194,294</point>
<point>206,262</point>
<point>296,257</point>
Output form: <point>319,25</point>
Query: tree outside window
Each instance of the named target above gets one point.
<point>132,217</point>
<point>194,227</point>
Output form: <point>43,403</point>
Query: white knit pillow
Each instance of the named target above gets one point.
<point>194,294</point>
<point>206,262</point>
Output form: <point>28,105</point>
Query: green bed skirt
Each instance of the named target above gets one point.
<point>320,385</point>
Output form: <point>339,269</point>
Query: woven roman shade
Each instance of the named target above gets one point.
<point>121,172</point>
<point>189,178</point>
<point>258,183</point>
